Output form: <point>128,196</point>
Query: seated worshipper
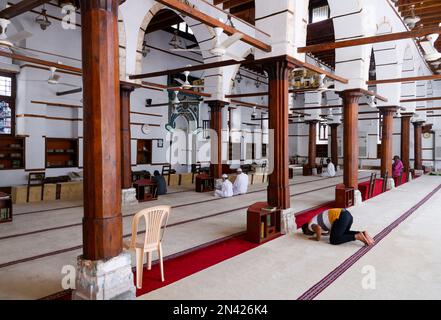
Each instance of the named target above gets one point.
<point>241,184</point>
<point>330,169</point>
<point>225,189</point>
<point>336,223</point>
<point>397,167</point>
<point>160,181</point>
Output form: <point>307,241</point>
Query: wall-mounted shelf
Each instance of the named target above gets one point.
<point>144,152</point>
<point>12,153</point>
<point>61,153</point>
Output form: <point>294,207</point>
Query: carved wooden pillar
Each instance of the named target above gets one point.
<point>386,139</point>
<point>418,132</point>
<point>350,142</point>
<point>405,139</point>
<point>126,90</point>
<point>278,188</point>
<point>312,148</point>
<point>216,142</point>
<point>102,222</point>
<point>334,143</point>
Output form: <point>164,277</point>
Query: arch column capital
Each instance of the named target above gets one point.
<point>351,95</point>
<point>388,110</point>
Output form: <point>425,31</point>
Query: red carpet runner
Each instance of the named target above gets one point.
<point>183,266</point>
<point>198,259</point>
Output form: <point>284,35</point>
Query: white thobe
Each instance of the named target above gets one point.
<point>330,171</point>
<point>226,189</point>
<point>241,184</point>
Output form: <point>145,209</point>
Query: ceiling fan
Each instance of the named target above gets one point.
<point>10,41</point>
<point>371,102</point>
<point>413,19</point>
<point>54,79</point>
<point>220,48</point>
<point>431,54</point>
<point>186,85</point>
<point>176,99</point>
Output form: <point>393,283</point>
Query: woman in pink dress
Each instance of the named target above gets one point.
<point>397,168</point>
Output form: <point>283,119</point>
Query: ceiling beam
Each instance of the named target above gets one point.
<point>428,109</point>
<point>46,63</point>
<point>314,68</point>
<point>409,79</point>
<point>21,7</point>
<point>369,40</point>
<point>421,99</point>
<point>231,62</point>
<point>198,67</point>
<point>164,87</point>
<point>213,22</point>
<point>248,104</point>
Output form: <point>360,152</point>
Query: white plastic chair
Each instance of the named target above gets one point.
<point>156,219</point>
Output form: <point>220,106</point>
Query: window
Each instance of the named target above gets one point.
<point>5,86</point>
<point>234,151</point>
<point>323,133</point>
<point>319,14</point>
<point>251,151</point>
<point>264,150</point>
<point>322,150</point>
<point>206,129</point>
<point>7,104</point>
<point>183,27</point>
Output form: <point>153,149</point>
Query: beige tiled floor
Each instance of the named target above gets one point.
<point>407,262</point>
<point>31,264</point>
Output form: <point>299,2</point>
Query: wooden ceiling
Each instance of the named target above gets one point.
<point>322,32</point>
<point>428,10</point>
<point>243,9</point>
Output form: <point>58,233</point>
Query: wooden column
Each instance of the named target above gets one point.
<point>278,188</point>
<point>334,143</point>
<point>386,139</point>
<point>405,139</point>
<point>216,142</point>
<point>102,222</point>
<point>126,90</point>
<point>418,132</point>
<point>350,142</point>
<point>312,147</point>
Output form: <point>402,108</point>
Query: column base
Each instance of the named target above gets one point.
<point>358,200</point>
<point>419,173</point>
<point>128,197</point>
<point>105,279</point>
<point>309,171</point>
<point>390,184</point>
<point>288,221</point>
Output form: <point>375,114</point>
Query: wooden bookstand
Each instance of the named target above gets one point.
<point>263,224</point>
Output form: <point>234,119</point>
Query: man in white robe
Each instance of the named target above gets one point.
<point>241,184</point>
<point>329,171</point>
<point>225,189</point>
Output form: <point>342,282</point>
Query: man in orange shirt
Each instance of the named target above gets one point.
<point>336,223</point>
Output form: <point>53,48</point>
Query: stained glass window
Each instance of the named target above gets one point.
<point>5,118</point>
<point>6,104</point>
<point>5,86</point>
